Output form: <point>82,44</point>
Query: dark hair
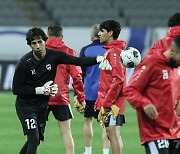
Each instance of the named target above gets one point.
<point>174,20</point>
<point>35,33</point>
<point>111,25</point>
<point>55,30</point>
<point>177,41</point>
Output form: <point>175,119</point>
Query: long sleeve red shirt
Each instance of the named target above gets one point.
<point>63,74</point>
<point>152,83</point>
<point>112,82</point>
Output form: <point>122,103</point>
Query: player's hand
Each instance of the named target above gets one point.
<point>48,89</point>
<point>114,111</point>
<point>102,116</point>
<point>151,111</point>
<point>178,108</point>
<point>99,59</point>
<point>54,90</point>
<point>104,63</point>
<point>79,107</point>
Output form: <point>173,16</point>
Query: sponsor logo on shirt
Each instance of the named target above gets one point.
<point>48,66</point>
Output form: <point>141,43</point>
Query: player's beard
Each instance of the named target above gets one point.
<point>173,63</point>
<point>39,54</point>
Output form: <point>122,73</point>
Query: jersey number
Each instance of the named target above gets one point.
<point>163,144</point>
<point>30,123</point>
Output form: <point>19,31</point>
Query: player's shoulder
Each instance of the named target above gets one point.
<point>94,43</point>
<point>26,57</point>
<point>148,62</point>
<point>50,53</point>
<point>66,49</point>
<point>111,51</point>
<point>87,46</point>
<point>83,50</point>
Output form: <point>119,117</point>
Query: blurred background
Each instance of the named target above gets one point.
<point>142,21</point>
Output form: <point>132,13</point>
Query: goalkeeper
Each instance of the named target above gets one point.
<point>32,83</point>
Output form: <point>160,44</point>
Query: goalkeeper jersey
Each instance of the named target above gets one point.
<point>31,73</point>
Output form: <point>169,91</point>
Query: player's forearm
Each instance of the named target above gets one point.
<point>18,86</point>
<point>63,58</point>
<point>79,91</point>
<point>114,90</point>
<point>135,98</point>
<point>84,61</point>
<point>19,89</point>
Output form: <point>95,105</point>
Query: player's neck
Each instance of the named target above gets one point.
<point>41,57</point>
<point>109,41</point>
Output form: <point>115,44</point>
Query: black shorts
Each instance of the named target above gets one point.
<point>60,112</point>
<point>157,147</point>
<point>89,109</point>
<point>33,122</point>
<point>119,121</point>
<point>174,146</point>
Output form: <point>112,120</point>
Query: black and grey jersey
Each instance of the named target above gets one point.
<point>31,73</point>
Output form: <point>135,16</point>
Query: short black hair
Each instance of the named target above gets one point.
<point>174,20</point>
<point>55,30</point>
<point>177,41</point>
<point>111,25</point>
<point>33,33</point>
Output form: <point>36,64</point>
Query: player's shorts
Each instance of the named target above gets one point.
<point>119,121</point>
<point>174,146</point>
<point>89,109</point>
<point>157,147</point>
<point>60,112</point>
<point>33,122</point>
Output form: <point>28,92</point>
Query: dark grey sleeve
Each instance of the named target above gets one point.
<point>83,68</point>
<point>63,58</point>
<point>19,86</point>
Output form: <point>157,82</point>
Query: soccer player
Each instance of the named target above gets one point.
<point>152,91</point>
<point>174,30</point>
<point>91,80</point>
<point>60,104</point>
<point>111,84</point>
<point>159,47</point>
<point>33,84</point>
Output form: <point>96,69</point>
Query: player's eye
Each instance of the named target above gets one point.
<point>40,41</point>
<point>33,43</point>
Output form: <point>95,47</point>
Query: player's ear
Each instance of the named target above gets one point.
<point>110,33</point>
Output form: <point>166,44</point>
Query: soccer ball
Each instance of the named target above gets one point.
<point>130,57</point>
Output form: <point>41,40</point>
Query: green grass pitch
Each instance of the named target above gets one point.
<point>12,138</point>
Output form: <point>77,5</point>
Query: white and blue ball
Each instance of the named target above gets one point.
<point>130,57</point>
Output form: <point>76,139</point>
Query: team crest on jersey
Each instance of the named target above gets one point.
<point>48,66</point>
